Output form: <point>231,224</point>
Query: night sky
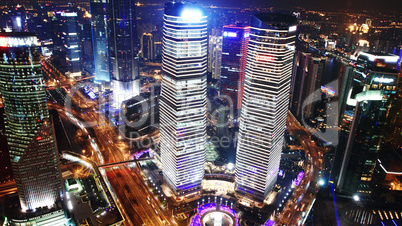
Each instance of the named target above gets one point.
<point>385,6</point>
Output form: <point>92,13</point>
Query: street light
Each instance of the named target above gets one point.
<point>356,198</point>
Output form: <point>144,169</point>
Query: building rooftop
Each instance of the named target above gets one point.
<point>273,20</point>
<point>17,34</point>
<point>373,56</point>
<point>376,54</point>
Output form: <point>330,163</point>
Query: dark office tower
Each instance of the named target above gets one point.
<point>28,125</point>
<point>72,43</point>
<point>123,50</point>
<point>364,121</point>
<point>306,84</point>
<point>265,103</point>
<point>234,52</point>
<point>100,36</point>
<point>157,41</point>
<point>147,47</point>
<point>183,97</point>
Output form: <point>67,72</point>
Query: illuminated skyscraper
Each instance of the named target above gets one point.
<point>72,42</point>
<point>215,53</point>
<point>265,103</point>
<point>123,50</point>
<point>28,125</point>
<point>100,34</point>
<point>365,120</point>
<point>114,31</point>
<point>183,96</point>
<point>234,52</point>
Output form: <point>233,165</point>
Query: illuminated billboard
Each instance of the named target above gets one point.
<point>383,81</point>
<point>229,34</point>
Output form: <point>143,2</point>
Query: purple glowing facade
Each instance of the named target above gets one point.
<point>212,207</point>
<point>298,179</point>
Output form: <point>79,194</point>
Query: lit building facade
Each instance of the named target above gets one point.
<point>183,97</point>
<point>147,46</point>
<point>365,123</point>
<point>100,34</point>
<point>265,103</point>
<point>72,43</point>
<point>28,125</point>
<point>114,31</point>
<point>123,50</point>
<point>234,52</point>
<point>215,53</point>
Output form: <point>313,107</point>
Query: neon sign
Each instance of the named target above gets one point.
<point>328,90</point>
<point>383,80</point>
<point>264,58</point>
<point>229,34</point>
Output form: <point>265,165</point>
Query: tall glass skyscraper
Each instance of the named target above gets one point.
<point>183,96</point>
<point>364,122</point>
<point>100,33</point>
<point>234,52</point>
<point>123,50</point>
<point>265,103</point>
<point>28,125</point>
<point>114,31</point>
<point>72,42</point>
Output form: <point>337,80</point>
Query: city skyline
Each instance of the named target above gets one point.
<point>121,112</point>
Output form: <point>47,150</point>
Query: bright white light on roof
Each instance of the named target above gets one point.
<point>292,28</point>
<point>230,166</point>
<point>191,15</point>
<point>387,58</point>
<point>373,95</point>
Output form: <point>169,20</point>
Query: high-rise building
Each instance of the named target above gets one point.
<point>114,30</point>
<point>306,80</point>
<point>215,53</point>
<point>28,125</point>
<point>234,52</point>
<point>183,96</point>
<point>265,103</point>
<point>72,42</point>
<point>157,41</point>
<point>123,50</point>
<point>100,36</point>
<point>364,120</point>
<point>147,46</point>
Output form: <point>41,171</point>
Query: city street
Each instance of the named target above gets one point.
<point>294,212</point>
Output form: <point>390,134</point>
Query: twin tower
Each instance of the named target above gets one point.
<point>183,101</point>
